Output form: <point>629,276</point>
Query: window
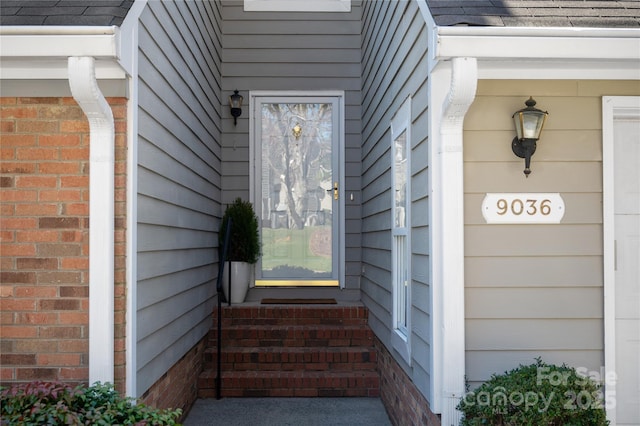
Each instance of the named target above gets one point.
<point>297,5</point>
<point>401,229</point>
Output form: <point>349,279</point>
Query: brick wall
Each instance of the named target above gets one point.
<point>44,258</point>
<point>403,401</point>
<point>178,387</point>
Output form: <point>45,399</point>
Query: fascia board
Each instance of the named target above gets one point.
<point>537,43</point>
<point>558,69</point>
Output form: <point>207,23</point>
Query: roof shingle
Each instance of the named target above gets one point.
<point>64,12</point>
<point>537,13</point>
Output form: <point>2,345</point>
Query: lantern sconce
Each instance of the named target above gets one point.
<point>528,122</point>
<point>235,102</point>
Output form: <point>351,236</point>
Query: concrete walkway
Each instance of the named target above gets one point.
<point>288,411</point>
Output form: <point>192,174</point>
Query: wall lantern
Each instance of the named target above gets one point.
<point>235,101</point>
<point>528,122</point>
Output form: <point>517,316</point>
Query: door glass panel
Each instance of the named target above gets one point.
<point>296,190</point>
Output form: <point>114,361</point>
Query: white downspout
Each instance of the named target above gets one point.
<point>85,91</point>
<point>450,244</point>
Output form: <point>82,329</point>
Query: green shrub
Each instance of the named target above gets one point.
<point>54,403</point>
<point>244,243</point>
<point>534,395</point>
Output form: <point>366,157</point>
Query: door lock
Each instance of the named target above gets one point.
<point>335,190</point>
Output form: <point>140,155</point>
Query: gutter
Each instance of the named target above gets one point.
<point>84,88</point>
<point>537,43</point>
<point>41,52</point>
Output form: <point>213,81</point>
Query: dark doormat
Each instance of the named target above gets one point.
<point>298,301</point>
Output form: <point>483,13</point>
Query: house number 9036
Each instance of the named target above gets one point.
<point>523,208</point>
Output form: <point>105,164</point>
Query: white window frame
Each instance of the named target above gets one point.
<point>297,5</point>
<point>401,336</point>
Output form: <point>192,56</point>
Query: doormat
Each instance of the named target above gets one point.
<point>298,301</point>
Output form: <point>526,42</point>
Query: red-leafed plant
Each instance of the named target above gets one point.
<point>55,403</point>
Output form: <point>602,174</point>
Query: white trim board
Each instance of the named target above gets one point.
<point>613,107</point>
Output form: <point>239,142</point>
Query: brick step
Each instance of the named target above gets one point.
<point>293,336</point>
<point>294,315</point>
<point>294,358</point>
<point>290,384</point>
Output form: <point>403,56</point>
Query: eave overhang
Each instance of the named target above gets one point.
<point>42,52</point>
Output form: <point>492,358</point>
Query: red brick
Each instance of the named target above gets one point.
<point>36,181</point>
<point>39,209</point>
<point>75,373</point>
<point>74,181</point>
<point>60,195</point>
<point>38,101</point>
<point>36,318</point>
<point>59,140</point>
<point>36,373</point>
<point>37,236</point>
<point>74,263</point>
<point>58,222</point>
<point>17,223</point>
<point>61,332</point>
<point>36,153</point>
<point>38,126</point>
<point>18,250</point>
<point>7,126</point>
<point>36,291</point>
<point>8,100</point>
<point>19,112</point>
<point>36,263</point>
<point>74,291</point>
<point>21,195</point>
<point>61,359</point>
<point>9,277</point>
<point>77,209</point>
<point>73,318</point>
<point>59,167</point>
<point>74,126</point>
<point>60,112</point>
<point>18,331</point>
<point>7,181</point>
<point>59,250</point>
<point>7,236</point>
<point>35,345</point>
<point>17,167</point>
<point>17,359</point>
<point>63,278</point>
<point>59,304</point>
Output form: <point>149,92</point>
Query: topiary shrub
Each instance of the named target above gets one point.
<point>536,394</point>
<point>54,403</point>
<point>244,243</point>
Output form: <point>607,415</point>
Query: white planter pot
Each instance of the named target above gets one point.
<point>240,279</point>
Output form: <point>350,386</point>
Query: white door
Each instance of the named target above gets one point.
<point>626,262</point>
<point>297,189</point>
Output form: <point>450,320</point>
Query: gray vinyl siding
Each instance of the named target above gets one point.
<point>394,66</point>
<point>179,181</point>
<point>535,290</point>
<point>293,51</point>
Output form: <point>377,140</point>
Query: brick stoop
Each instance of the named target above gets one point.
<point>292,350</point>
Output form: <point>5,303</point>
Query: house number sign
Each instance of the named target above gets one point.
<point>523,208</point>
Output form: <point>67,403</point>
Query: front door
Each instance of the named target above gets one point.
<point>297,188</point>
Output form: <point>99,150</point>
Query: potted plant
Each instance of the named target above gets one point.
<point>244,248</point>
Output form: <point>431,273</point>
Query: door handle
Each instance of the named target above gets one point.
<point>335,190</point>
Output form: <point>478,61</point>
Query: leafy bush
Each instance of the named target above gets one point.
<point>54,403</point>
<point>537,394</point>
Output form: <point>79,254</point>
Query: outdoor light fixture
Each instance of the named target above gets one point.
<point>235,101</point>
<point>528,122</point>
